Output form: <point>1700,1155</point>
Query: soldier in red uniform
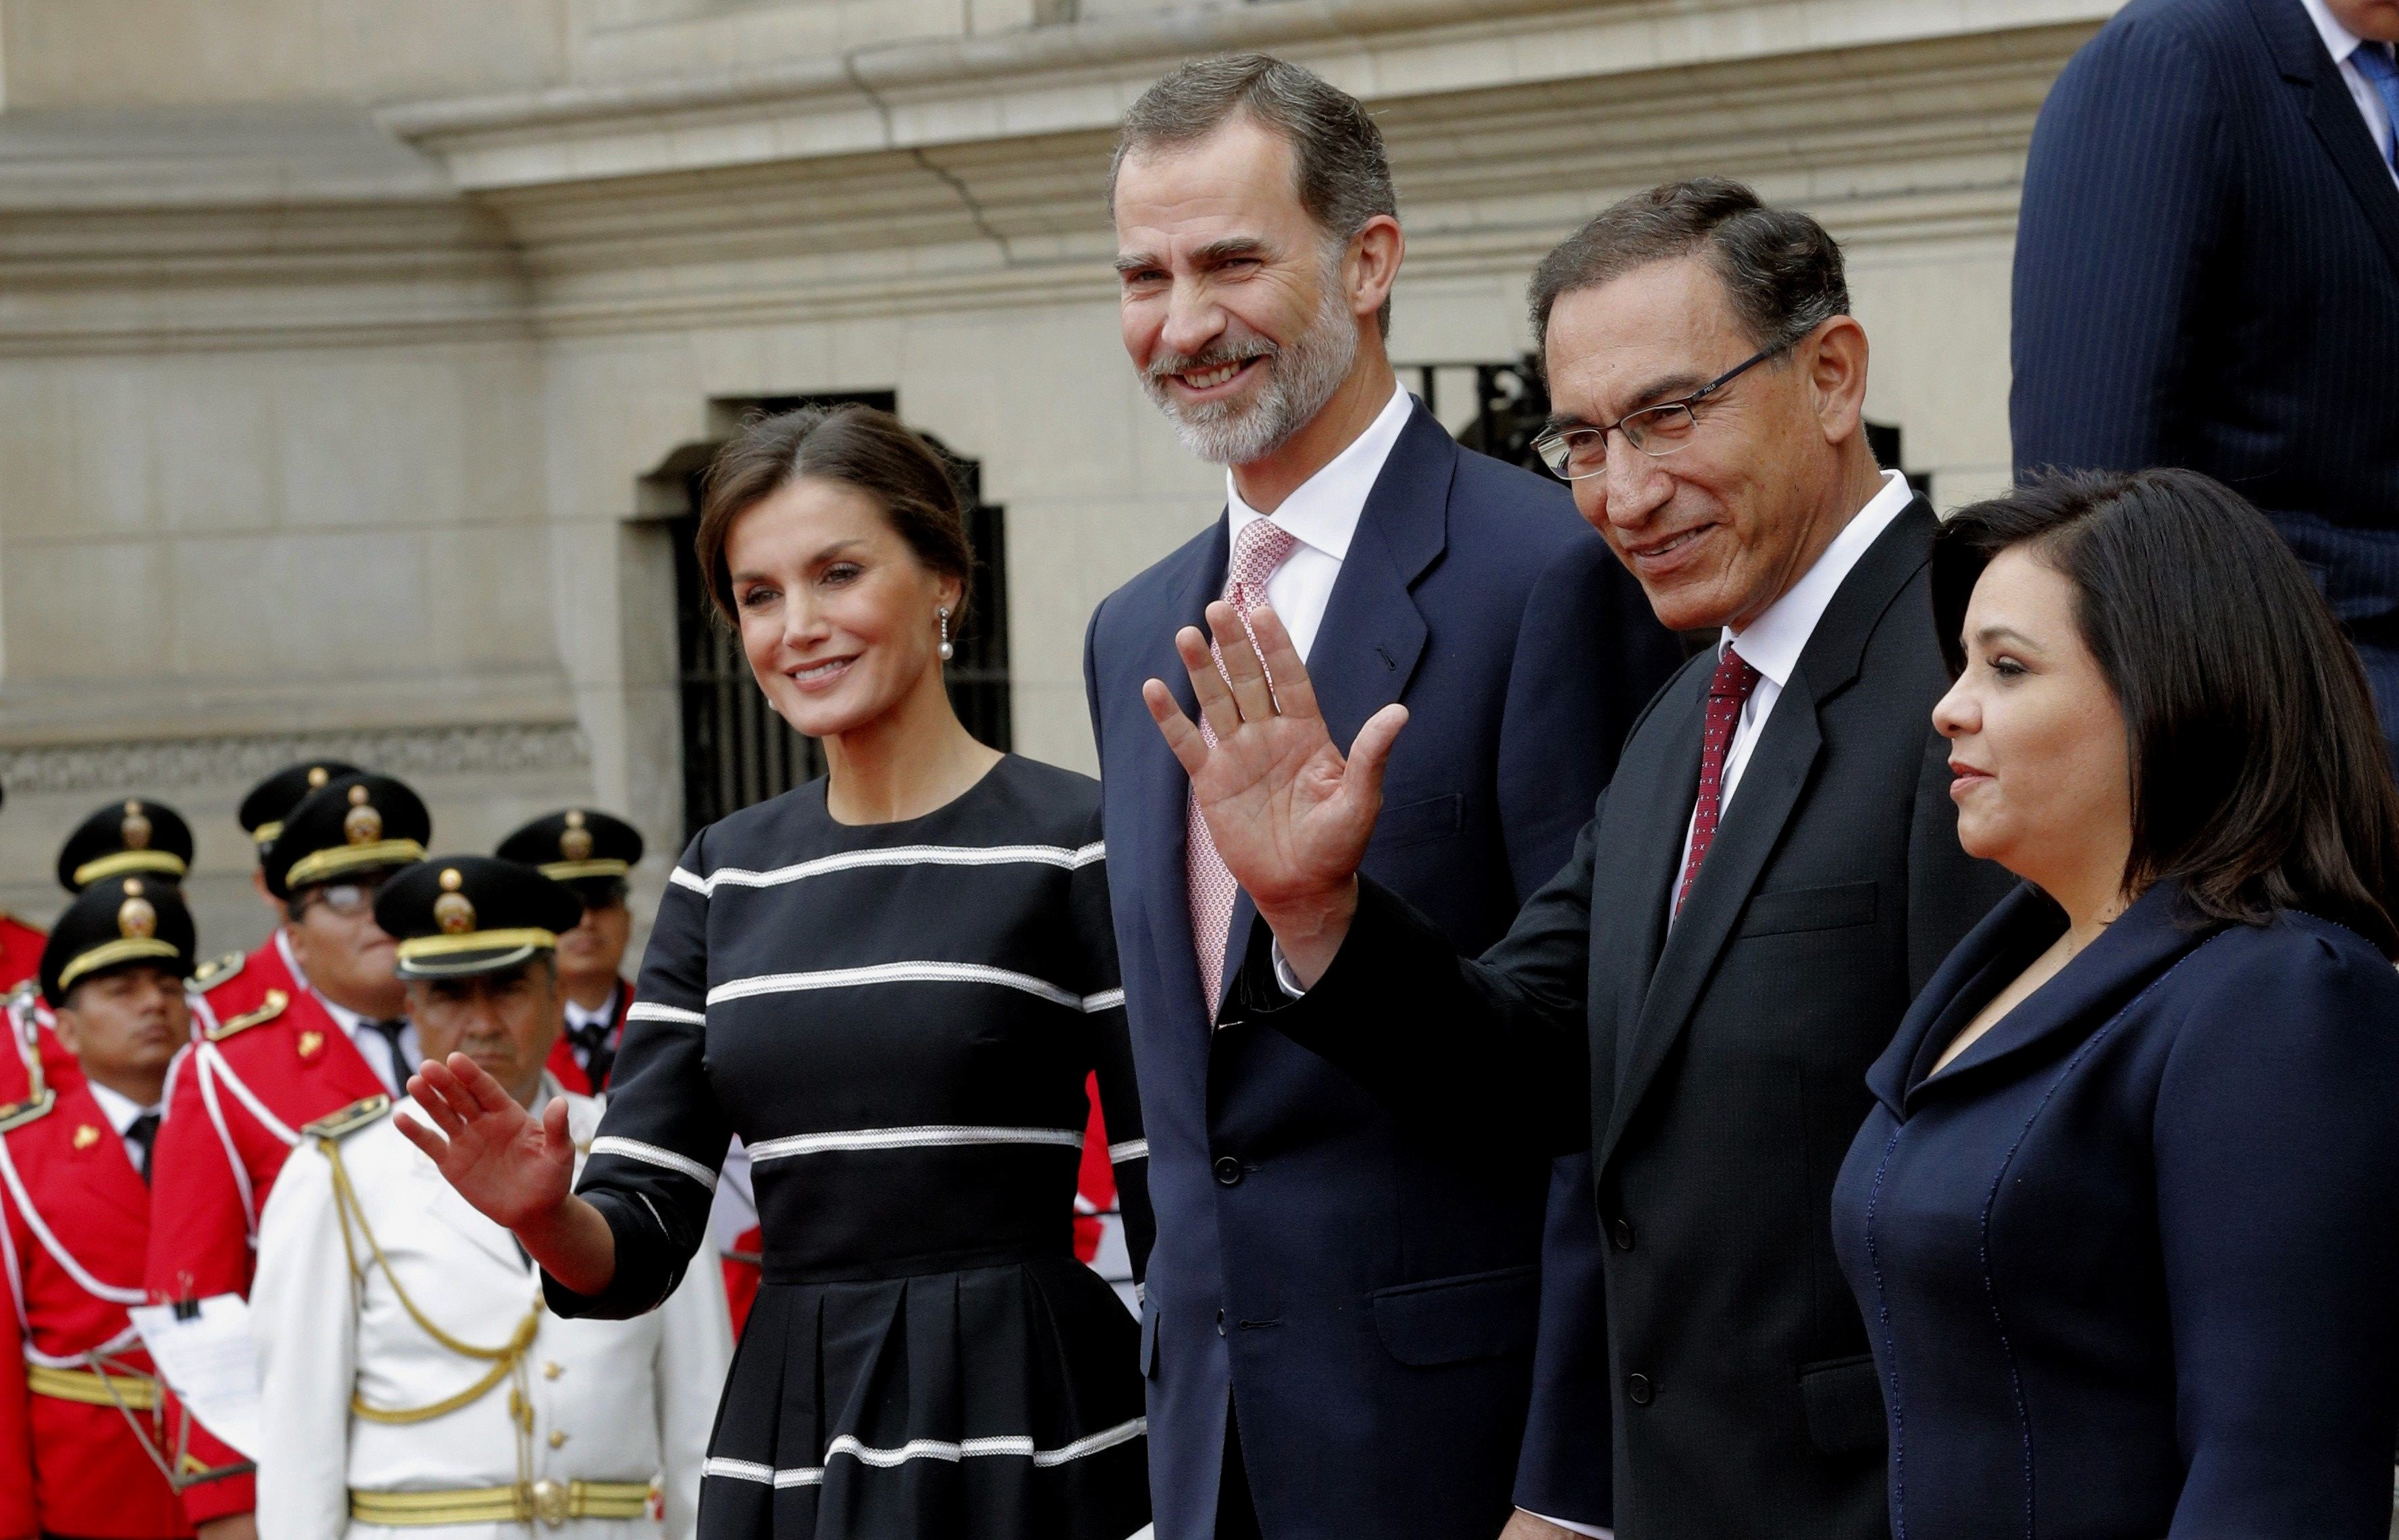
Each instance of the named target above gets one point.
<point>80,1446</point>
<point>128,838</point>
<point>592,853</point>
<point>302,1028</point>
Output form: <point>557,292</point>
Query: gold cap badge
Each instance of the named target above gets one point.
<point>135,829</point>
<point>574,845</point>
<point>136,919</point>
<point>454,911</point>
<point>317,777</point>
<point>361,824</point>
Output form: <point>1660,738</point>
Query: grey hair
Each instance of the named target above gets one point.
<point>1782,270</point>
<point>1344,178</point>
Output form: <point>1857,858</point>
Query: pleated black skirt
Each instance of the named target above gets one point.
<point>994,1403</point>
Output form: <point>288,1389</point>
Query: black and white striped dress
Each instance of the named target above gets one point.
<point>898,1021</point>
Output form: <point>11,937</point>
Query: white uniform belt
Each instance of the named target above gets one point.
<point>554,1502</point>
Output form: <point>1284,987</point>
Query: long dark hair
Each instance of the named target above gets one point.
<point>857,446</point>
<point>2260,781</point>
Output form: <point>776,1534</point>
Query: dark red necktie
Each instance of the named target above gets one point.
<point>1728,689</point>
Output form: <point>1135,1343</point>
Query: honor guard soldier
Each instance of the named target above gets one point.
<point>592,853</point>
<point>123,838</point>
<point>80,1446</point>
<point>407,1365</point>
<point>127,838</point>
<point>309,1024</point>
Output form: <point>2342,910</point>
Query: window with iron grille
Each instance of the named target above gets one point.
<point>736,750</point>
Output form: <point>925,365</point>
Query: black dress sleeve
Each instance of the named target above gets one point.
<point>652,1170</point>
<point>1111,1047</point>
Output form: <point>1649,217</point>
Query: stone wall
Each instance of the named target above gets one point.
<point>332,389</point>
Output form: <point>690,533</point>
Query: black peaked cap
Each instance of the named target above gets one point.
<point>460,914</point>
<point>132,836</point>
<point>116,923</point>
<point>272,800</point>
<point>351,824</point>
<point>575,843</point>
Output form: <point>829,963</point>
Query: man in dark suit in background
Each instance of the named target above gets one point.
<point>1771,875</point>
<point>1341,1310</point>
<point>2207,274</point>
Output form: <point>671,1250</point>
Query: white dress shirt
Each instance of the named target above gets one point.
<point>1323,513</point>
<point>121,1110</point>
<point>603,1014</point>
<point>2343,43</point>
<point>1774,641</point>
<point>369,1043</point>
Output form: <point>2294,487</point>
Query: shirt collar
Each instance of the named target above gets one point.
<point>2338,40</point>
<point>1774,641</point>
<point>1322,511</point>
<point>603,1014</point>
<point>118,1108</point>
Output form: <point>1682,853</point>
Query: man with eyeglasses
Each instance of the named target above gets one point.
<point>1772,873</point>
<point>309,1024</point>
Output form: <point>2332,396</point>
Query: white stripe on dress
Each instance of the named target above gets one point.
<point>1107,999</point>
<point>909,973</point>
<point>929,1449</point>
<point>1132,1149</point>
<point>905,854</point>
<point>633,1149</point>
<point>929,1136</point>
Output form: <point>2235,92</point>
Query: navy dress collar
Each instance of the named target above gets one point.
<point>2148,938</point>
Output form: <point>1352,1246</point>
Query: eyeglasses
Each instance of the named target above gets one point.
<point>1575,453</point>
<point>348,900</point>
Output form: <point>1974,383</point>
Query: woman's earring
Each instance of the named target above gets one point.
<point>948,652</point>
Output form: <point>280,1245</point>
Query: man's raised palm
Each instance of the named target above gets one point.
<point>1289,814</point>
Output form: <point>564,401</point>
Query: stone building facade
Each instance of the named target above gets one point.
<point>353,354</point>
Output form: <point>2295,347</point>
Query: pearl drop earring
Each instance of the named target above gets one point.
<point>948,652</point>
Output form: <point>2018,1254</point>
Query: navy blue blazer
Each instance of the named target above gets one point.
<point>1364,1289</point>
<point>2130,1262</point>
<point>2207,276</point>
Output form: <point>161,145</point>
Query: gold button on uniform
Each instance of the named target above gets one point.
<point>551,1372</point>
<point>557,1438</point>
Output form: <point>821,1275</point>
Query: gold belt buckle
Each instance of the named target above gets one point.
<point>549,1503</point>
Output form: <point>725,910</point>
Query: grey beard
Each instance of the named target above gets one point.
<point>1302,377</point>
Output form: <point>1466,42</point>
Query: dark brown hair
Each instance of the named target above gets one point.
<point>856,446</point>
<point>1344,177</point>
<point>2260,781</point>
<point>1781,268</point>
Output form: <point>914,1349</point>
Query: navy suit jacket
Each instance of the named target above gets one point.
<point>2207,276</point>
<point>2130,1258</point>
<point>1364,1289</point>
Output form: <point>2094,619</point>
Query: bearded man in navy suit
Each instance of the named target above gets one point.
<point>1342,1305</point>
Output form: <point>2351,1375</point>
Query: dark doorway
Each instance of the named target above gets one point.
<point>736,750</point>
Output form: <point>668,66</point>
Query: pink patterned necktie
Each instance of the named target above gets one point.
<point>1258,550</point>
<point>1729,690</point>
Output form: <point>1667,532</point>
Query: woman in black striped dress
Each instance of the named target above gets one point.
<point>892,983</point>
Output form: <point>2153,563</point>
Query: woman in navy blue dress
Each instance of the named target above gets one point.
<point>2124,1223</point>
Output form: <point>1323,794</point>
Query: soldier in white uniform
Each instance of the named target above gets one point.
<point>409,1374</point>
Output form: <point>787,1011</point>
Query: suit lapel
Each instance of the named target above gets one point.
<point>1372,635</point>
<point>441,1200</point>
<point>103,1169</point>
<point>2332,113</point>
<point>1164,790</point>
<point>1762,803</point>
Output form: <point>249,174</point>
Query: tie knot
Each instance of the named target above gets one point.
<point>2375,61</point>
<point>1733,679</point>
<point>1262,545</point>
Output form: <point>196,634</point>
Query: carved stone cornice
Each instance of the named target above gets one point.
<point>423,753</point>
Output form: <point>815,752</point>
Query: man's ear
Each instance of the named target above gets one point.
<point>1371,264</point>
<point>67,1026</point>
<point>1835,361</point>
